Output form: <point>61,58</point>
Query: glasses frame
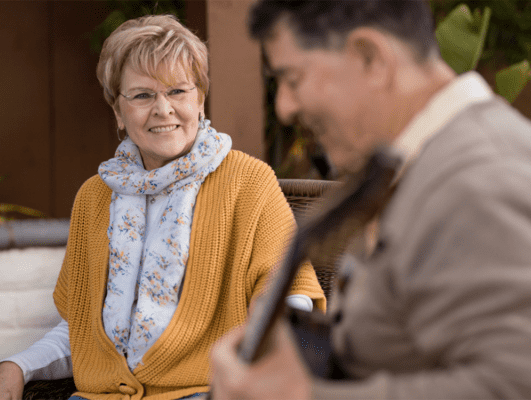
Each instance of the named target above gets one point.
<point>153,96</point>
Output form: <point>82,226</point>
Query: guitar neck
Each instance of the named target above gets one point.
<point>348,210</point>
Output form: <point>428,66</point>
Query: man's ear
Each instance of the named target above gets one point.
<point>375,53</point>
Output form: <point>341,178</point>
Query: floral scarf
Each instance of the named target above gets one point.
<point>149,244</point>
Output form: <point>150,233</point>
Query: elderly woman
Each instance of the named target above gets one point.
<point>169,244</point>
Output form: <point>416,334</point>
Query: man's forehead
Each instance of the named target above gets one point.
<point>282,49</point>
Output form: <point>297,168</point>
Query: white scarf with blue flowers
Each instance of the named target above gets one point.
<point>146,270</point>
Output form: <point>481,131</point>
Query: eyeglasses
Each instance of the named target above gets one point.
<point>146,98</point>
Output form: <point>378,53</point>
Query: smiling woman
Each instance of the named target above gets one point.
<point>139,62</point>
<point>162,122</point>
<point>162,258</point>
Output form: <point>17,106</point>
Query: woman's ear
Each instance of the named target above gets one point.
<point>119,120</point>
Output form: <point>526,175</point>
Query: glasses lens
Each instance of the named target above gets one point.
<point>146,98</point>
<point>141,98</point>
<point>176,94</point>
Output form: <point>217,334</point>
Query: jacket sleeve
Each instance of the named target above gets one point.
<point>463,293</point>
<point>47,358</point>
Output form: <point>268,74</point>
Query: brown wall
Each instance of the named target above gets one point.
<point>56,127</point>
<point>236,97</point>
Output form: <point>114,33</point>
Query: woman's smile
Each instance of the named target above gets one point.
<point>161,129</point>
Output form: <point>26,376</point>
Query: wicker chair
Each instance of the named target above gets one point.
<point>303,196</point>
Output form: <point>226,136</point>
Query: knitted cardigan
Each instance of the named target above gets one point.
<point>241,226</point>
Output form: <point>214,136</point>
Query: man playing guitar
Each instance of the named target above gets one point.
<point>441,307</point>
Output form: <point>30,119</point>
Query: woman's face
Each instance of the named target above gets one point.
<point>166,129</point>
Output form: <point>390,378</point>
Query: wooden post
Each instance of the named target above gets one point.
<point>236,96</point>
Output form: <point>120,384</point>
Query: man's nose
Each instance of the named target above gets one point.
<point>286,105</point>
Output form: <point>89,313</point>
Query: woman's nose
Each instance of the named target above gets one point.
<point>286,105</point>
<point>162,105</point>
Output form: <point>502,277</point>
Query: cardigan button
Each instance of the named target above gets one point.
<point>124,389</point>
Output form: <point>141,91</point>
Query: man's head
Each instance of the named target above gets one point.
<point>327,23</point>
<point>345,68</point>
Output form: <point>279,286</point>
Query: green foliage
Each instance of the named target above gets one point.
<point>461,37</point>
<point>129,9</point>
<point>500,36</point>
<point>508,38</point>
<point>511,80</point>
<point>6,208</point>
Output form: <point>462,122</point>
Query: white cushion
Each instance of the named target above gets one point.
<point>27,281</point>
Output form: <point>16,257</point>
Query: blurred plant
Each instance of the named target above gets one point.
<point>499,37</point>
<point>11,208</point>
<point>292,150</point>
<point>508,39</point>
<point>461,37</point>
<point>125,10</point>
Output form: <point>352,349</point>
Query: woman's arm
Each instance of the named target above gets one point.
<point>300,302</point>
<point>48,358</point>
<point>273,234</point>
<point>11,381</point>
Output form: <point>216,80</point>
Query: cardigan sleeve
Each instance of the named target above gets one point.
<point>60,294</point>
<point>76,254</point>
<point>275,229</point>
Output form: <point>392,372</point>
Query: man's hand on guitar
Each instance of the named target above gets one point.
<point>278,374</point>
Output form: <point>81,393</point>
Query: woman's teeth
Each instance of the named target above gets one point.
<point>163,129</point>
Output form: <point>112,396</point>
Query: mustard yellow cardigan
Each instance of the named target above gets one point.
<point>241,226</point>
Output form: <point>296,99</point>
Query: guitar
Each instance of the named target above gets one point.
<point>346,211</point>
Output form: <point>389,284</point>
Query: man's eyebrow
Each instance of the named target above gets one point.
<point>271,72</point>
<point>276,72</point>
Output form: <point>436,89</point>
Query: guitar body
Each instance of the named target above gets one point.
<point>312,332</point>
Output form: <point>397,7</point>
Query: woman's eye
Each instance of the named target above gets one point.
<point>174,92</point>
<point>142,96</point>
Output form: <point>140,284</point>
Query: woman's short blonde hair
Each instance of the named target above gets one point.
<point>155,45</point>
